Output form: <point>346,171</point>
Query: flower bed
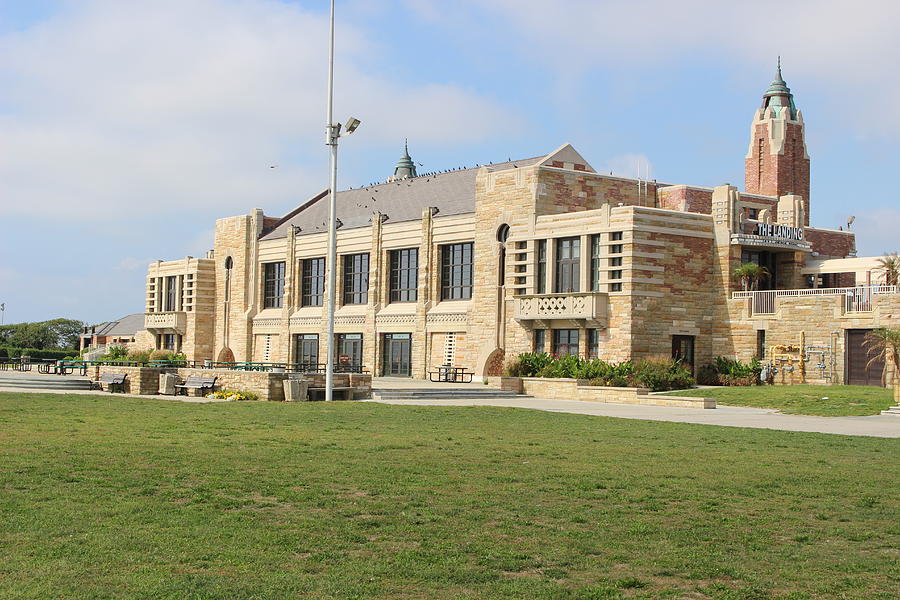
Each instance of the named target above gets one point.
<point>655,374</point>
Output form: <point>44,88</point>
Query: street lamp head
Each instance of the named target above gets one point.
<point>352,124</point>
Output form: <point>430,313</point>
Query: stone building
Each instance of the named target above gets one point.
<point>469,267</point>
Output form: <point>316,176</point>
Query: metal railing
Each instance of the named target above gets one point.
<point>856,299</point>
<point>65,367</point>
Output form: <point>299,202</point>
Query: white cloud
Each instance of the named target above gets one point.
<point>116,110</point>
<point>852,51</point>
<point>877,232</point>
<point>628,165</point>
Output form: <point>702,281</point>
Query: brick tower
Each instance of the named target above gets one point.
<point>777,163</point>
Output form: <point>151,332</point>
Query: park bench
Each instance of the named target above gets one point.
<point>196,382</point>
<point>447,374</point>
<point>112,381</point>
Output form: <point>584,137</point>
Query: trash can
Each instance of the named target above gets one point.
<point>295,390</point>
<point>167,383</point>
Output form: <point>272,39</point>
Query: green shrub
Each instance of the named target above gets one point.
<point>115,353</point>
<point>734,372</point>
<point>708,375</point>
<point>657,374</point>
<point>35,353</point>
<point>139,355</point>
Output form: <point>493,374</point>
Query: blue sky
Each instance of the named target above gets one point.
<point>128,127</point>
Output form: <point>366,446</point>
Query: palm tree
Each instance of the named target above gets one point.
<point>884,342</point>
<point>750,274</point>
<point>889,264</point>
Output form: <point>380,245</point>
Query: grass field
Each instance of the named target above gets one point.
<point>106,497</point>
<point>842,400</point>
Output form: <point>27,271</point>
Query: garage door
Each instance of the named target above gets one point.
<point>857,359</point>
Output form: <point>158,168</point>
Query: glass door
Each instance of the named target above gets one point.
<point>349,347</point>
<point>683,350</point>
<point>397,361</point>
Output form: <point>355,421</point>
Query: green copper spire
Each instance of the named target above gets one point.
<point>779,96</point>
<point>405,168</point>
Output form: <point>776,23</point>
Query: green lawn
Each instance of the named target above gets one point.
<point>110,497</point>
<point>842,400</point>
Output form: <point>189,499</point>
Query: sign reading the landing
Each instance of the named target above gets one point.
<point>779,231</point>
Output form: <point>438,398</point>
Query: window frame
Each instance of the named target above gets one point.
<point>273,284</point>
<point>403,278</point>
<point>457,270</point>
<point>568,268</point>
<point>312,285</point>
<point>541,267</point>
<point>356,278</point>
<point>572,338</point>
<point>300,349</point>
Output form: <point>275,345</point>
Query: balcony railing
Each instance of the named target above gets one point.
<point>856,299</point>
<point>583,305</point>
<point>176,321</point>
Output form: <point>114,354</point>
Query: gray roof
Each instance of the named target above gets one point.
<point>126,326</point>
<point>453,193</point>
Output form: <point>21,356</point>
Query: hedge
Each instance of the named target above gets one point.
<point>35,353</point>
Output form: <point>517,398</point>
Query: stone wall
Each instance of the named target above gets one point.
<point>268,386</point>
<point>139,380</point>
<point>577,389</point>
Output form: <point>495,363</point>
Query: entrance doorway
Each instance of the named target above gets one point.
<point>397,352</point>
<point>858,370</point>
<point>683,350</point>
<point>765,259</point>
<point>349,348</point>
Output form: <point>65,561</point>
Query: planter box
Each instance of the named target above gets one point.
<point>577,389</point>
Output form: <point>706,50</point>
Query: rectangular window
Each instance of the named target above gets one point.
<point>273,287</point>
<point>169,341</point>
<point>565,341</point>
<point>306,351</point>
<point>568,265</point>
<point>171,288</point>
<point>456,271</point>
<point>542,267</point>
<point>617,274</point>
<point>615,262</point>
<point>593,343</point>
<point>761,344</point>
<point>356,278</point>
<point>615,287</point>
<point>595,263</point>
<point>404,279</point>
<point>312,287</point>
<point>615,236</point>
<point>540,340</point>
<point>615,249</point>
<point>753,213</point>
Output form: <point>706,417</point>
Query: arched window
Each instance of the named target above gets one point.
<point>503,233</point>
<point>228,265</point>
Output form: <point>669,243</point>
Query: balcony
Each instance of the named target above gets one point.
<point>859,299</point>
<point>165,322</point>
<point>548,307</point>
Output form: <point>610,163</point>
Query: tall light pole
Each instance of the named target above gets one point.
<point>332,133</point>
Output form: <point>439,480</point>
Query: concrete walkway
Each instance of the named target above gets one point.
<point>887,426</point>
<point>727,416</point>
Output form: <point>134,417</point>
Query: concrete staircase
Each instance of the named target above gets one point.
<point>894,410</point>
<point>28,381</point>
<point>471,392</point>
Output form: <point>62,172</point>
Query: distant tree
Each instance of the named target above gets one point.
<point>66,331</point>
<point>750,274</point>
<point>884,342</point>
<point>889,265</point>
<point>43,335</point>
<point>32,335</point>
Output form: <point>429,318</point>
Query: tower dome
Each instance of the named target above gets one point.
<point>405,168</point>
<point>779,97</point>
